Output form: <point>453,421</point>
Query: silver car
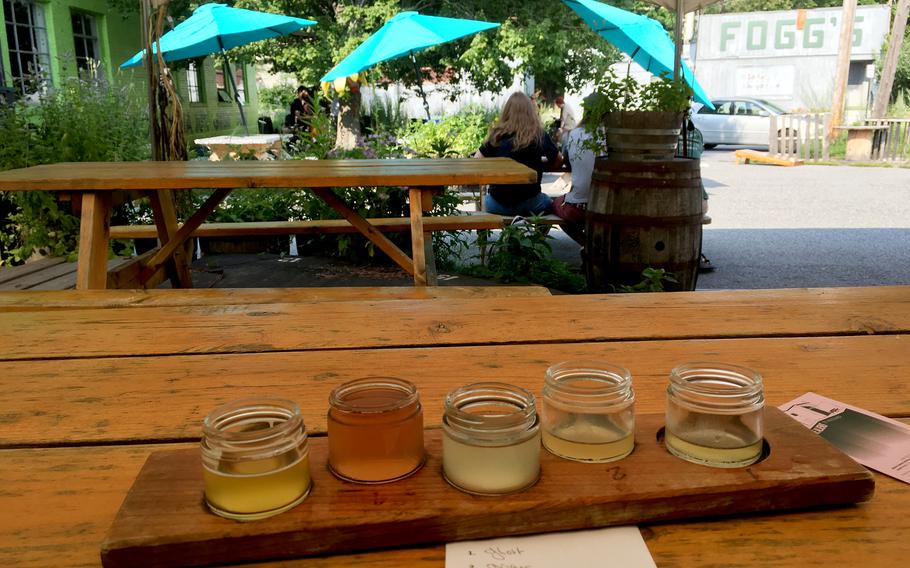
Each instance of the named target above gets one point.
<point>735,121</point>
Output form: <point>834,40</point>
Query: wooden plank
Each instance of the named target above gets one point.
<point>418,254</point>
<point>370,232</point>
<point>746,156</point>
<point>292,174</point>
<point>337,325</point>
<point>10,273</point>
<point>58,504</point>
<point>161,524</point>
<point>34,278</point>
<point>114,298</point>
<point>125,276</point>
<point>319,226</point>
<point>68,281</point>
<point>173,240</point>
<point>138,399</point>
<point>164,210</point>
<point>93,239</point>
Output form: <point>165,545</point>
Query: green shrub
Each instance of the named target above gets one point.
<point>523,254</point>
<point>80,121</point>
<point>459,135</point>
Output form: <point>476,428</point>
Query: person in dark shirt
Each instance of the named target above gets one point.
<point>519,135</point>
<point>300,109</point>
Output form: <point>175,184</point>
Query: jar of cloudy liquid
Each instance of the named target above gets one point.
<point>588,411</point>
<point>375,428</point>
<point>491,439</point>
<point>714,414</point>
<point>255,459</point>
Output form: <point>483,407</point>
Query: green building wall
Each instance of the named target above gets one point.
<point>119,37</point>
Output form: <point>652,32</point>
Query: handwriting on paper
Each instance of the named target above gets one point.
<point>617,547</point>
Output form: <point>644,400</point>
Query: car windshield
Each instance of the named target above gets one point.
<point>772,107</point>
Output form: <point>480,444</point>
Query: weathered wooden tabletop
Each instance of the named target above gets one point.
<point>97,183</point>
<point>114,176</point>
<point>87,393</point>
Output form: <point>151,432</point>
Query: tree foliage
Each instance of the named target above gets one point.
<point>539,37</point>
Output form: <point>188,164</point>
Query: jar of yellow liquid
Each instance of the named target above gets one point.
<point>588,411</point>
<point>714,414</point>
<point>255,459</point>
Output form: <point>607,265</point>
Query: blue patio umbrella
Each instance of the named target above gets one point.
<point>640,37</point>
<point>402,35</point>
<point>214,28</point>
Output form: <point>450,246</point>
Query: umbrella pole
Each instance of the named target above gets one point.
<point>230,74</point>
<point>677,58</point>
<point>423,95</point>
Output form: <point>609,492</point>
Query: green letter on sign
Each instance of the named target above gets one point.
<point>813,38</point>
<point>726,33</point>
<point>784,39</point>
<point>762,40</point>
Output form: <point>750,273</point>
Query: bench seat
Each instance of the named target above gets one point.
<point>322,226</point>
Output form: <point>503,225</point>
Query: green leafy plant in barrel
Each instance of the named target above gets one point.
<point>618,102</point>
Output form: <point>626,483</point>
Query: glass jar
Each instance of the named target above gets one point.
<point>714,414</point>
<point>255,458</point>
<point>375,428</point>
<point>588,411</point>
<point>491,439</point>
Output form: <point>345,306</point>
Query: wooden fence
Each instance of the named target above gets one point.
<point>893,144</point>
<point>799,136</point>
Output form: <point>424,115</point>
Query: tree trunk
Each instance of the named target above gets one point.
<point>348,132</point>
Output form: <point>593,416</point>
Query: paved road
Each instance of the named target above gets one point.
<point>806,226</point>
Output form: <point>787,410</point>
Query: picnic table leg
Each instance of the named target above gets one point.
<point>94,232</point>
<point>165,213</point>
<point>420,199</point>
<point>365,228</point>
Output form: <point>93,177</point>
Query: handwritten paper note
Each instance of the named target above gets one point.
<point>615,547</point>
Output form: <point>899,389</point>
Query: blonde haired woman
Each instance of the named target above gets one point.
<point>519,134</point>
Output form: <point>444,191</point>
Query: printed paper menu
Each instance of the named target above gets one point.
<point>873,440</point>
<point>615,547</point>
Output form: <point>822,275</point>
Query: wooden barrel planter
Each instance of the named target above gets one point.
<point>640,217</point>
<point>639,136</point>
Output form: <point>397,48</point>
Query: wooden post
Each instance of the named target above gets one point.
<point>843,66</point>
<point>94,228</point>
<point>880,106</point>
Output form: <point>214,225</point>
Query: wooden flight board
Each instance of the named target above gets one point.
<point>163,520</point>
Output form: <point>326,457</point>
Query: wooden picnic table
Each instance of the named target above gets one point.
<point>87,393</point>
<point>100,185</point>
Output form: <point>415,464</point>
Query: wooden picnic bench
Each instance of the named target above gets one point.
<point>97,186</point>
<point>85,398</point>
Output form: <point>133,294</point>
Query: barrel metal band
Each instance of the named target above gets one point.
<point>643,220</point>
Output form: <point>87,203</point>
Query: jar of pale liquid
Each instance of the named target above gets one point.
<point>255,459</point>
<point>588,411</point>
<point>491,439</point>
<point>714,414</point>
<point>375,428</point>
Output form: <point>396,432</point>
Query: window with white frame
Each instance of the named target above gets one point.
<point>192,83</point>
<point>29,53</point>
<point>238,81</point>
<point>85,41</point>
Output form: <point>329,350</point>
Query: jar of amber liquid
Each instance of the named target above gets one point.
<point>375,428</point>
<point>491,439</point>
<point>255,459</point>
<point>714,414</point>
<point>588,411</point>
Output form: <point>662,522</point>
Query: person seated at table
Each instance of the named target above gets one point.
<point>519,135</point>
<point>300,110</point>
<point>571,206</point>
